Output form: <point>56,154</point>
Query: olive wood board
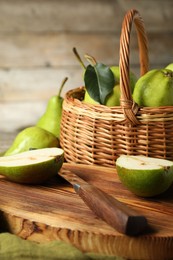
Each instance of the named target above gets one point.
<point>54,211</point>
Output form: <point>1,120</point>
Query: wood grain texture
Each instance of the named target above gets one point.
<point>34,85</point>
<point>54,51</point>
<point>157,15</point>
<point>54,211</point>
<point>113,212</point>
<point>36,42</point>
<point>71,15</point>
<point>58,16</point>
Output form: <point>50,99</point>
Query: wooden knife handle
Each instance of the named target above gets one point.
<point>115,213</point>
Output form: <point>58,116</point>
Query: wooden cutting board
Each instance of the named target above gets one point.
<point>54,211</point>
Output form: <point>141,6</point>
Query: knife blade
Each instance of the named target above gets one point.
<point>115,213</point>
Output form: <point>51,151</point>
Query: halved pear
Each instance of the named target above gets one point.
<point>145,176</point>
<point>32,167</point>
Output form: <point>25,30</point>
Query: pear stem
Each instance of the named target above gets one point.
<point>62,85</point>
<point>79,58</point>
<point>90,59</point>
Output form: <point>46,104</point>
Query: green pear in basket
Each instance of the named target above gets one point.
<point>154,89</point>
<point>99,80</point>
<point>32,167</point>
<point>51,119</point>
<point>145,176</point>
<point>32,137</point>
<point>113,99</point>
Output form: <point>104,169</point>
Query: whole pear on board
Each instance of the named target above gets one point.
<point>113,99</point>
<point>51,119</point>
<point>170,66</point>
<point>32,167</point>
<point>154,89</point>
<point>145,176</point>
<point>32,137</point>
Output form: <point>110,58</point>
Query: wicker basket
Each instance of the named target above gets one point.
<point>96,134</point>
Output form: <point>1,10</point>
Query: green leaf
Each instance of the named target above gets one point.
<point>99,81</point>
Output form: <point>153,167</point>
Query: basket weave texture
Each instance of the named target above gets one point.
<point>96,134</point>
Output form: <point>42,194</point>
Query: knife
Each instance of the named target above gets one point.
<point>115,213</point>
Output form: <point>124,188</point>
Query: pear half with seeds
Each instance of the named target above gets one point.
<point>145,176</point>
<point>32,167</point>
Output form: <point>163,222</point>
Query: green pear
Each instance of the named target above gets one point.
<point>113,99</point>
<point>154,89</point>
<point>145,176</point>
<point>116,72</point>
<point>89,100</point>
<point>51,119</point>
<point>32,167</point>
<point>32,137</point>
<point>170,66</point>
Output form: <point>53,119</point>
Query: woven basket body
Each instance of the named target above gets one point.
<point>96,134</point>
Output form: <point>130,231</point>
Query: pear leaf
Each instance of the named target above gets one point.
<point>99,81</point>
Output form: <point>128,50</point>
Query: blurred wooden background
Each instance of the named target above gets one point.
<point>36,41</point>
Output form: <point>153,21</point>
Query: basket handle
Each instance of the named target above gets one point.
<point>130,108</point>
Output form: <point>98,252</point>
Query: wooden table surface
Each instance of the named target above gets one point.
<point>54,211</point>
